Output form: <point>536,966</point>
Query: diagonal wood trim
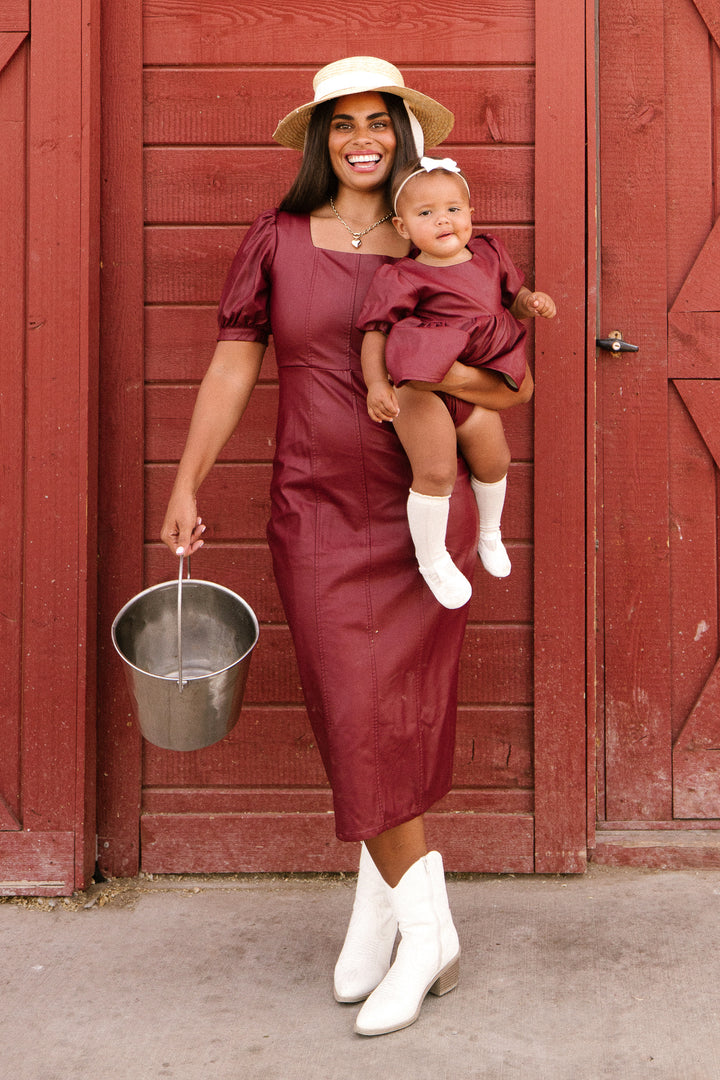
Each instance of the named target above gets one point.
<point>701,288</point>
<point>694,345</point>
<point>701,730</point>
<point>9,45</point>
<point>8,821</point>
<point>710,13</point>
<point>702,400</point>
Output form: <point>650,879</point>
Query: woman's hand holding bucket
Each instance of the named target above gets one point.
<point>178,531</point>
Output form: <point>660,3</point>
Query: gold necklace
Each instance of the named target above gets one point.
<point>357,236</point>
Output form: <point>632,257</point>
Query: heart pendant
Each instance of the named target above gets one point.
<point>355,243</point>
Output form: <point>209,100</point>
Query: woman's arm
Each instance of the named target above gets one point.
<point>481,386</point>
<point>222,399</point>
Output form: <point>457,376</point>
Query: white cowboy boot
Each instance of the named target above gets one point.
<point>365,956</point>
<point>428,956</point>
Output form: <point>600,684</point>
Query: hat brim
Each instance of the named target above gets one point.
<point>435,120</point>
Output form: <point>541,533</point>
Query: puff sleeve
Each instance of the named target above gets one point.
<point>510,277</point>
<point>244,310</point>
<point>391,297</point>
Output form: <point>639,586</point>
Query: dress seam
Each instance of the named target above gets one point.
<point>368,591</point>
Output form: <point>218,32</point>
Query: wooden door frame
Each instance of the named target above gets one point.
<point>121,530</point>
<point>563,666</point>
<point>560,477</point>
<point>53,851</point>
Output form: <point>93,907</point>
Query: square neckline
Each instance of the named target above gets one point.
<point>339,251</point>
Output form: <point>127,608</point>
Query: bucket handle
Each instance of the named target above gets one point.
<point>179,620</point>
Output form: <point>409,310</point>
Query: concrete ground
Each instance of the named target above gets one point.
<point>615,974</point>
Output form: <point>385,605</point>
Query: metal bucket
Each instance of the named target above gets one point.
<point>186,649</point>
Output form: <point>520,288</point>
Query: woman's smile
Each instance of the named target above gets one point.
<point>362,139</point>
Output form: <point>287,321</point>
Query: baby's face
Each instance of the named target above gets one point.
<point>434,212</point>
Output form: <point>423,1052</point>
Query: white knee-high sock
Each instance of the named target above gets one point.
<point>490,500</point>
<point>428,518</point>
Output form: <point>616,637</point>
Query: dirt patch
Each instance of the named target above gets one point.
<point>119,892</point>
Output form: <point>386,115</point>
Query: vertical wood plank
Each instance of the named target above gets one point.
<point>58,627</point>
<point>89,366</point>
<point>121,425</point>
<point>592,590</point>
<point>635,422</point>
<point>560,751</point>
<point>13,79</point>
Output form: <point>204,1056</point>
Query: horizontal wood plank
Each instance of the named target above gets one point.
<point>244,568</point>
<point>296,843</point>
<point>167,418</point>
<point>168,410</point>
<point>247,570</point>
<point>189,265</point>
<point>179,342</point>
<point>231,186</point>
<point>322,32</point>
<point>15,16</point>
<point>241,106</point>
<point>273,747</point>
<point>279,799</point>
<point>496,666</point>
<point>236,501</point>
<point>51,857</point>
<point>693,849</point>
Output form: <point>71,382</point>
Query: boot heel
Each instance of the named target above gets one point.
<point>447,980</point>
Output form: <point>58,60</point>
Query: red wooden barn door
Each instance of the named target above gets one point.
<point>48,361</point>
<point>189,161</point>
<point>659,796</point>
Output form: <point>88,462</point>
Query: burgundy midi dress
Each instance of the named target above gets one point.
<point>435,315</point>
<point>378,655</point>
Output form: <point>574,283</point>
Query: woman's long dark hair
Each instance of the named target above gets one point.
<point>316,180</point>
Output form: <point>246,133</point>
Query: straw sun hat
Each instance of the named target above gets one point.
<point>356,75</point>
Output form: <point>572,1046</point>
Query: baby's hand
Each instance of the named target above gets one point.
<point>539,303</point>
<point>382,403</point>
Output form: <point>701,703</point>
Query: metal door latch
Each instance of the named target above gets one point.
<point>615,343</point>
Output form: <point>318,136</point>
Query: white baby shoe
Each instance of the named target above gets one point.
<point>493,555</point>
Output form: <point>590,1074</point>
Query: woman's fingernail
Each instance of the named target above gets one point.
<point>180,551</point>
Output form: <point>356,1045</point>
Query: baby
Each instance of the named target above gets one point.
<point>459,299</point>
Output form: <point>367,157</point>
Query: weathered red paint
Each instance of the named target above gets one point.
<point>48,775</point>
<point>660,453</point>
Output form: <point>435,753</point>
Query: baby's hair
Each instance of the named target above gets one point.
<point>417,168</point>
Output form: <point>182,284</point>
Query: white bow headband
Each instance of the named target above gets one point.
<point>427,165</point>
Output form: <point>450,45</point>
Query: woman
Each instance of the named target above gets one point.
<point>378,656</point>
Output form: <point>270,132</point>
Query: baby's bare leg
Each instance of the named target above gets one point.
<point>484,447</point>
<point>483,444</point>
<point>426,430</point>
